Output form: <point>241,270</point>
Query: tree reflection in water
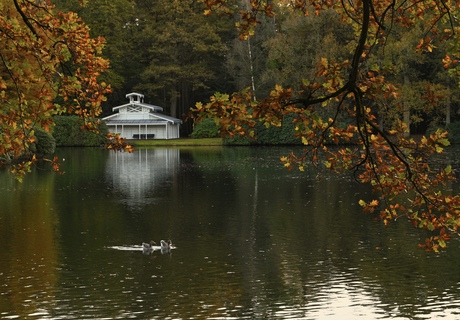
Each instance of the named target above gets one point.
<point>254,241</point>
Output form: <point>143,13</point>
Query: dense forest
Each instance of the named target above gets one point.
<point>176,56</point>
<point>167,50</point>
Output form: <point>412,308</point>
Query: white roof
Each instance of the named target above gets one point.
<point>154,119</point>
<point>137,99</point>
<point>140,104</point>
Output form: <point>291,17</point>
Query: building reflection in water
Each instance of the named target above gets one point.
<point>136,175</point>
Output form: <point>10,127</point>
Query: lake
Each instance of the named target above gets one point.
<point>252,241</point>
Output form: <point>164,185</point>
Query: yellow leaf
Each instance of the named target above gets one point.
<point>374,202</point>
<point>442,243</point>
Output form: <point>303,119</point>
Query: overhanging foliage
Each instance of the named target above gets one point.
<point>356,86</point>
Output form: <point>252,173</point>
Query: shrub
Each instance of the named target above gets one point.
<point>283,135</point>
<point>68,132</point>
<point>238,141</point>
<point>453,132</point>
<point>271,135</point>
<point>206,128</point>
<point>46,144</point>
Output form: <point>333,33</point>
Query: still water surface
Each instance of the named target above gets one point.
<point>254,241</point>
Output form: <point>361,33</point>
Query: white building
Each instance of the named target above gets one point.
<point>139,120</point>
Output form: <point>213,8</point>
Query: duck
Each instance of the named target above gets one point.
<point>148,246</point>
<point>165,245</point>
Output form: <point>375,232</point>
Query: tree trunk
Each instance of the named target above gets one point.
<point>448,112</point>
<point>406,108</point>
<point>381,124</point>
<point>173,103</point>
<point>251,67</point>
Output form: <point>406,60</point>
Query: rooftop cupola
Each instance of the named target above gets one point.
<point>135,97</point>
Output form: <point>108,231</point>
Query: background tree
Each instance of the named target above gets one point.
<point>390,161</point>
<point>247,58</point>
<point>418,74</point>
<point>182,54</point>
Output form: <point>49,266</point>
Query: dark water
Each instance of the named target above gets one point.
<point>254,241</point>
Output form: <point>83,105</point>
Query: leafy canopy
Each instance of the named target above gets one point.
<point>354,85</point>
<point>49,65</point>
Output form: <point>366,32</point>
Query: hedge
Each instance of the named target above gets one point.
<point>271,135</point>
<point>206,128</point>
<point>69,132</point>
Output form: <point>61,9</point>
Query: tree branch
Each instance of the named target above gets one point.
<point>24,18</point>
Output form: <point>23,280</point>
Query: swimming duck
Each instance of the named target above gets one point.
<point>148,246</point>
<point>165,245</point>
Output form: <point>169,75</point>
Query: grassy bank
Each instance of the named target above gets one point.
<point>177,142</point>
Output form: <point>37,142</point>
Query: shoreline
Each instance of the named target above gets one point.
<point>176,142</point>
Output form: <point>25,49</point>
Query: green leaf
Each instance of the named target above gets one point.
<point>442,243</point>
<point>448,169</point>
<point>444,142</point>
